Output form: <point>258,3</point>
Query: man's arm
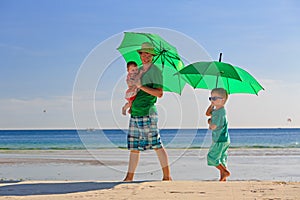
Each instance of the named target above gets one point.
<point>158,92</point>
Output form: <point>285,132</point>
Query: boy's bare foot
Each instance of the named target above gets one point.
<point>224,175</point>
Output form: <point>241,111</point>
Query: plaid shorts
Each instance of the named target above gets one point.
<point>143,133</point>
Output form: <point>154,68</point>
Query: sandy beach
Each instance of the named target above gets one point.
<point>80,174</point>
<point>64,190</point>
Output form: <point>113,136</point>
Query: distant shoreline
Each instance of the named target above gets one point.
<point>72,139</point>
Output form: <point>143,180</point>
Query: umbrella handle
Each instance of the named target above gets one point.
<point>220,59</point>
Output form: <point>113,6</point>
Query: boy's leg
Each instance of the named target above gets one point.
<point>224,155</point>
<point>223,161</point>
<point>164,163</point>
<point>224,173</point>
<point>133,162</point>
<point>216,154</point>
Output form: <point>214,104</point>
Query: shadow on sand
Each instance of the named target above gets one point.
<point>54,188</point>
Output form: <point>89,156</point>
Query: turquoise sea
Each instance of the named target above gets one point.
<point>172,138</point>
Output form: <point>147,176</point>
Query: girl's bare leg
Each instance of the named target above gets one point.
<point>125,107</point>
<point>133,162</point>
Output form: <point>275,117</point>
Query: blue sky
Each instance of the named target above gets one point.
<point>44,43</point>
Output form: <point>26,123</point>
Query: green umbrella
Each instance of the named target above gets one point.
<point>210,75</point>
<point>167,58</point>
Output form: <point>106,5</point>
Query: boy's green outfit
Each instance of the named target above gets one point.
<point>217,153</point>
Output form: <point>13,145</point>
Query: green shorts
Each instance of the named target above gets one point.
<point>217,154</point>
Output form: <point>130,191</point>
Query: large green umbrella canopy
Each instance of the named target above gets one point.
<point>167,58</point>
<point>210,75</point>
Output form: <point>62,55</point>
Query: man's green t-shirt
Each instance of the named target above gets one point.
<point>144,103</point>
<point>218,118</point>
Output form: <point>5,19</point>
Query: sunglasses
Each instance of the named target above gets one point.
<point>214,98</point>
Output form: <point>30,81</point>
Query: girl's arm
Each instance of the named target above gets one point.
<point>129,80</point>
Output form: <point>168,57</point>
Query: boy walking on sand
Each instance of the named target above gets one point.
<point>217,154</point>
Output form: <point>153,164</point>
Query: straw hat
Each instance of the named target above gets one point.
<point>148,48</point>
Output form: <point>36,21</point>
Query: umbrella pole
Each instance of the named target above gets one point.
<point>220,57</point>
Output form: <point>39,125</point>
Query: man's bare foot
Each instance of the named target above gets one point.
<point>129,177</point>
<point>167,178</point>
<point>224,175</point>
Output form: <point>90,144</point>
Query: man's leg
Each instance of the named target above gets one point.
<point>133,162</point>
<point>163,159</point>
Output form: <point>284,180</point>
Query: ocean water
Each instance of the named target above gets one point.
<point>172,138</point>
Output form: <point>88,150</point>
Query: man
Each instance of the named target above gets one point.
<point>143,132</point>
